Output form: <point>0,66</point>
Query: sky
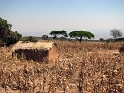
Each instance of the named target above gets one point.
<point>40,17</point>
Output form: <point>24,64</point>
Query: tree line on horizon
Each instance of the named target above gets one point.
<point>79,35</point>
<point>8,37</point>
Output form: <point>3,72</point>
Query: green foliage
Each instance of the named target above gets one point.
<point>80,34</point>
<point>110,40</point>
<point>6,35</point>
<point>4,27</point>
<point>115,33</point>
<point>63,38</point>
<point>115,40</point>
<point>120,39</point>
<point>2,43</point>
<point>17,36</point>
<point>12,38</point>
<point>30,39</point>
<point>45,37</point>
<point>56,33</point>
<point>101,39</point>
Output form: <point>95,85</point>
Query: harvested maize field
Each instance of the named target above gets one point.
<point>87,67</point>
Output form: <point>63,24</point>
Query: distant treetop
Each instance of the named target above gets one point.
<point>56,33</point>
<point>80,34</point>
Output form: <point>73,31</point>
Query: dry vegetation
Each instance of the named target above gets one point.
<point>87,67</point>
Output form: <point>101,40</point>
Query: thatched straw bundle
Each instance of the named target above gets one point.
<point>38,51</point>
<point>32,45</point>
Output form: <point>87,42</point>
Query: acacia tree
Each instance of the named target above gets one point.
<point>116,33</point>
<point>6,35</point>
<point>56,33</point>
<point>80,34</point>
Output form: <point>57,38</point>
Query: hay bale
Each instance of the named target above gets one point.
<point>38,51</point>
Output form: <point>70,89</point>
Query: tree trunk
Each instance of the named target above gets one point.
<point>80,39</point>
<point>55,36</point>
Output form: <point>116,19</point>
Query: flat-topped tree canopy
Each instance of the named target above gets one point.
<point>80,34</point>
<point>56,33</point>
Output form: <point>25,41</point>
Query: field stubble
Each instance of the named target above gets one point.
<point>87,67</point>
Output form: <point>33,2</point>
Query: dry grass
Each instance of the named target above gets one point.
<point>87,67</point>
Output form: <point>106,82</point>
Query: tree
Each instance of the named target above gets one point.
<point>6,35</point>
<point>115,33</point>
<point>110,40</point>
<point>45,37</point>
<point>80,34</point>
<point>56,33</point>
<point>4,28</point>
<point>17,36</point>
<point>30,39</point>
<point>11,37</point>
<point>63,38</point>
<point>101,39</point>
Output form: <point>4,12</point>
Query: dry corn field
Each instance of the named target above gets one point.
<point>87,67</point>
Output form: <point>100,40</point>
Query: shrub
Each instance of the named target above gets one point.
<point>30,39</point>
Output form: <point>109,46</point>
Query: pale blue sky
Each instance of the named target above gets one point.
<point>39,17</point>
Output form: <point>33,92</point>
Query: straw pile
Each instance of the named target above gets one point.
<point>32,45</point>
